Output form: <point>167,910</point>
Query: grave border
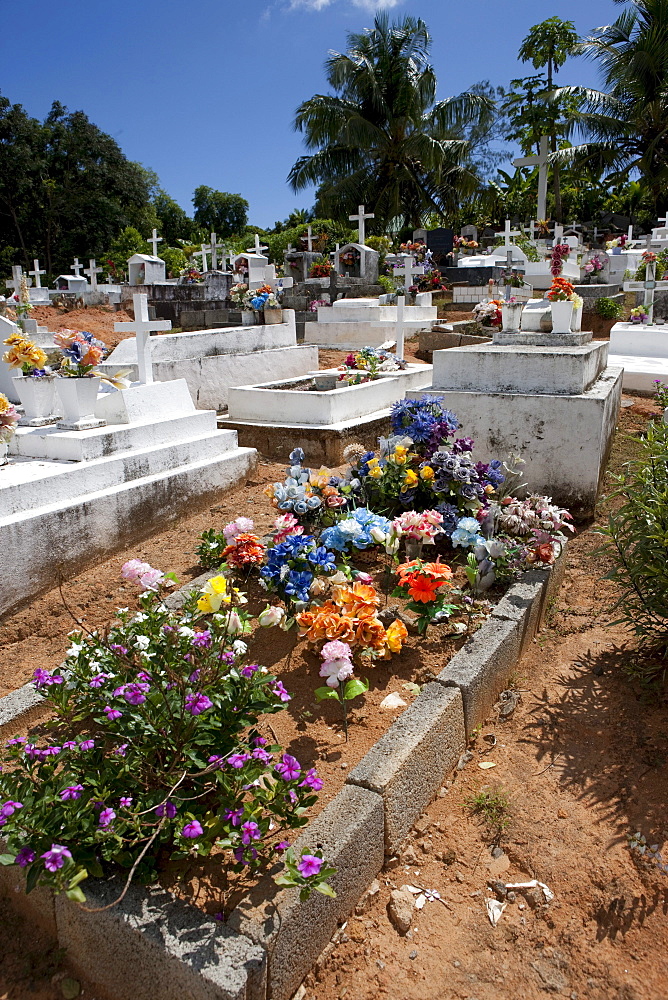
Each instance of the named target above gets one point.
<point>274,943</point>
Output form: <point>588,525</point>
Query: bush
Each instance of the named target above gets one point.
<point>153,750</point>
<point>608,308</point>
<point>637,536</point>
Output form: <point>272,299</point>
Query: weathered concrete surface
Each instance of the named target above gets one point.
<point>350,831</point>
<point>408,764</point>
<point>481,668</point>
<point>152,945</point>
<point>20,708</point>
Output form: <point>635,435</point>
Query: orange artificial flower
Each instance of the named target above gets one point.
<point>422,589</point>
<point>359,600</point>
<point>395,636</point>
<point>438,571</point>
<point>247,550</point>
<point>370,633</point>
<point>405,569</point>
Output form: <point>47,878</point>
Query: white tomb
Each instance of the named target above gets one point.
<point>251,268</point>
<point>110,485</point>
<point>554,406</point>
<point>145,269</point>
<point>75,284</point>
<point>349,324</point>
<point>642,351</point>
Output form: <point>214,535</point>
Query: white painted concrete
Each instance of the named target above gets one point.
<point>640,340</point>
<point>154,401</point>
<point>412,377</point>
<point>640,373</point>
<point>526,369</point>
<point>310,408</point>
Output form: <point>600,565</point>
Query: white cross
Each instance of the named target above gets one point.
<point>309,239</point>
<point>15,282</point>
<point>213,249</point>
<point>650,285</point>
<point>663,222</point>
<point>92,271</point>
<point>76,267</point>
<point>36,273</point>
<point>203,254</point>
<point>110,280</point>
<point>558,234</point>
<point>629,235</point>
<point>409,269</point>
<point>258,248</point>
<point>532,229</point>
<point>507,233</point>
<point>154,240</point>
<point>360,219</point>
<point>142,327</point>
<point>541,162</point>
<point>290,248</point>
<point>224,257</point>
<point>398,328</point>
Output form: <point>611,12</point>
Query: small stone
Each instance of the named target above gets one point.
<point>70,988</point>
<point>410,857</point>
<point>413,954</point>
<point>459,876</point>
<point>562,814</point>
<point>343,767</point>
<point>400,909</point>
<point>449,857</point>
<point>497,852</point>
<point>456,964</point>
<point>368,898</point>
<point>464,760</point>
<point>511,897</point>
<point>381,965</point>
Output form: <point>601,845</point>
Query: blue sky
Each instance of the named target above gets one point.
<point>205,92</point>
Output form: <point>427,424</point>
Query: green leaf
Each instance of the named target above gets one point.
<point>323,693</point>
<point>76,895</point>
<point>7,859</point>
<point>355,687</point>
<point>326,890</point>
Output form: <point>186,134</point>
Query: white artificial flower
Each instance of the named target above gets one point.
<point>185,631</point>
<point>239,647</point>
<point>142,641</point>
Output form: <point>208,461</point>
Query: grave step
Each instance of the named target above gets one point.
<point>28,485</point>
<point>100,442</point>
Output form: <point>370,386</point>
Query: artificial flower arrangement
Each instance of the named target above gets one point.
<point>593,266</point>
<point>461,243</point>
<point>23,354</point>
<point>316,304</point>
<point>272,302</point>
<point>81,352</point>
<point>370,363</point>
<point>237,295</point>
<point>638,315</point>
<point>511,277</point>
<point>430,281</point>
<point>166,753</point>
<point>321,268</point>
<point>489,313</point>
<point>417,249</point>
<point>308,493</point>
<point>257,298</point>
<point>349,257</point>
<point>618,241</point>
<point>20,301</point>
<point>560,252</point>
<point>9,418</point>
<point>192,275</point>
<point>561,290</point>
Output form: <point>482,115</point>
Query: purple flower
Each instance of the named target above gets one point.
<point>69,745</point>
<point>234,816</point>
<point>56,857</point>
<point>194,677</point>
<point>260,741</point>
<point>260,754</point>
<point>126,801</point>
<point>42,678</point>
<point>250,831</point>
<point>98,680</point>
<point>87,745</point>
<point>71,792</point>
<point>107,816</point>
<point>112,713</point>
<point>226,657</point>
<point>166,809</point>
<point>9,808</point>
<point>31,750</point>
<point>134,693</point>
<point>17,741</point>
<point>25,857</point>
<point>249,669</point>
<point>311,780</point>
<point>202,640</point>
<point>279,691</point>
<point>49,752</point>
<point>121,749</point>
<point>282,845</point>
<point>197,703</point>
<point>143,676</point>
<point>216,760</point>
<point>192,830</point>
<point>309,865</point>
<point>238,759</point>
<point>115,648</point>
<point>289,768</point>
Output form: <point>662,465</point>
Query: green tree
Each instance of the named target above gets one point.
<point>625,126</point>
<point>218,211</point>
<point>173,222</point>
<point>381,138</point>
<point>549,44</point>
<point>126,244</point>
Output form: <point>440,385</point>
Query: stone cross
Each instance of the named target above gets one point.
<point>360,219</point>
<point>507,233</point>
<point>92,271</point>
<point>154,240</point>
<point>15,282</point>
<point>629,234</point>
<point>649,285</point>
<point>398,328</point>
<point>37,273</point>
<point>76,267</point>
<point>203,254</point>
<point>258,248</point>
<point>290,248</point>
<point>309,239</point>
<point>409,269</point>
<point>663,222</point>
<point>509,267</point>
<point>213,249</point>
<point>558,234</point>
<point>532,229</point>
<point>142,327</point>
<point>541,162</point>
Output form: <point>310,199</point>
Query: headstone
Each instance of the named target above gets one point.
<point>36,273</point>
<point>469,233</point>
<point>145,270</point>
<point>142,327</point>
<point>92,271</point>
<point>596,277</point>
<point>154,240</point>
<point>440,242</point>
<point>357,261</point>
<point>360,219</point>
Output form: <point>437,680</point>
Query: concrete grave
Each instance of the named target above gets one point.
<point>357,261</point>
<point>642,351</point>
<point>144,269</point>
<point>353,323</point>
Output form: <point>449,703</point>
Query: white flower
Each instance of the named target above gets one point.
<point>239,647</point>
<point>74,649</point>
<point>271,616</point>
<point>141,617</point>
<point>233,623</point>
<point>142,641</point>
<point>339,578</point>
<point>377,534</point>
<point>185,631</point>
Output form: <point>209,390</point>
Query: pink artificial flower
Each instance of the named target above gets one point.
<point>285,525</point>
<point>240,526</point>
<point>133,568</point>
<point>335,650</point>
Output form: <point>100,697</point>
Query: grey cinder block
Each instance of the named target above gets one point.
<point>482,667</point>
<point>153,945</point>
<point>350,831</point>
<point>407,765</point>
<point>19,708</point>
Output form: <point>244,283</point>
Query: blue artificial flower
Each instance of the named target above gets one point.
<point>451,515</point>
<point>297,456</point>
<point>467,533</point>
<point>322,559</point>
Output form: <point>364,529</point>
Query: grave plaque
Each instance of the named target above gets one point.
<point>439,241</point>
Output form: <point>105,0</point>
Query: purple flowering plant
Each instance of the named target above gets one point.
<point>307,872</point>
<point>152,750</point>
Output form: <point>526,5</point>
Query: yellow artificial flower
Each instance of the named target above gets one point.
<point>489,488</point>
<point>320,477</point>
<point>216,592</point>
<point>401,450</point>
<point>372,463</point>
<point>410,479</point>
<point>427,473</point>
<point>395,636</point>
<point>376,472</point>
<point>15,338</point>
<point>4,403</point>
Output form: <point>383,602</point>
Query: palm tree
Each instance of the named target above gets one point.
<point>549,44</point>
<point>382,139</point>
<point>625,127</point>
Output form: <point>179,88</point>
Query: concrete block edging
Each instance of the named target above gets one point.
<point>269,945</point>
